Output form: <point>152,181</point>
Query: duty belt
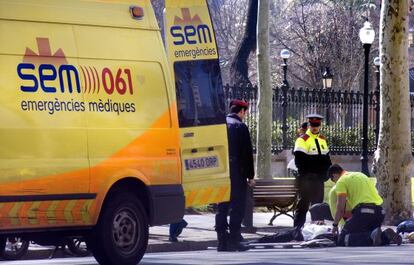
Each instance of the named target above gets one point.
<point>367,205</point>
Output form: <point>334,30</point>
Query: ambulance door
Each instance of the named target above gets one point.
<point>44,168</point>
<point>130,126</point>
<point>193,56</point>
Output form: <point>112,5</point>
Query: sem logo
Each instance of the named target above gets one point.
<point>190,30</point>
<point>56,67</point>
<point>39,69</point>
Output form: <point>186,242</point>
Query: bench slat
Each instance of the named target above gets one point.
<point>276,192</point>
<point>280,195</point>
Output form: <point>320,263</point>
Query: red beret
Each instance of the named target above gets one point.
<point>239,102</point>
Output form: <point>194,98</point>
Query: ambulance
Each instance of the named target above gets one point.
<point>106,128</point>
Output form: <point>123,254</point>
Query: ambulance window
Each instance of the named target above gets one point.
<point>199,93</point>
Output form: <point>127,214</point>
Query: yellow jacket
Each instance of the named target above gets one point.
<point>312,155</point>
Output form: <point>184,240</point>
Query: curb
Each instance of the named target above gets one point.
<point>181,246</point>
<point>45,253</point>
<point>186,245</point>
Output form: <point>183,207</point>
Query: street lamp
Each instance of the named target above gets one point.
<point>327,77</point>
<point>367,36</point>
<point>377,62</point>
<point>285,54</point>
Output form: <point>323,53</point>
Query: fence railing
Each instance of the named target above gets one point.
<point>342,111</point>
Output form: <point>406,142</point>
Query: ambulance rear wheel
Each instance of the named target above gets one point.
<point>121,235</point>
<point>2,244</point>
<point>15,248</point>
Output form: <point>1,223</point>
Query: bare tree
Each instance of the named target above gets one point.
<point>320,34</point>
<point>393,160</point>
<point>264,130</point>
<point>239,65</point>
<point>229,18</point>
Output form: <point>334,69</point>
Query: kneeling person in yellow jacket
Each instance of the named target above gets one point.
<point>364,227</point>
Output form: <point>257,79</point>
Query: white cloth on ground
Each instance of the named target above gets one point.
<point>310,231</point>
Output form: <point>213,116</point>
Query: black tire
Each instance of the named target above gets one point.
<point>2,245</point>
<point>77,246</point>
<point>15,248</point>
<point>121,234</point>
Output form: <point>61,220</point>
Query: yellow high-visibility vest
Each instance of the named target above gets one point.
<point>306,143</point>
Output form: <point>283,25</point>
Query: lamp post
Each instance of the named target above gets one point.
<point>327,77</point>
<point>367,36</point>
<point>285,54</point>
<point>377,62</point>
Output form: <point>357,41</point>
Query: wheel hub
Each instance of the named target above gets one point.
<point>125,231</point>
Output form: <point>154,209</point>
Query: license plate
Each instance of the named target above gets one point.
<point>201,162</point>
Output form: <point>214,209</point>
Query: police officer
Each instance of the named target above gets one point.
<point>241,174</point>
<point>312,160</point>
<point>364,228</point>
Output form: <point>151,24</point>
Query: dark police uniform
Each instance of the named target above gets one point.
<point>241,169</point>
<point>312,160</point>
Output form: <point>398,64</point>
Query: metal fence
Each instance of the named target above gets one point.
<point>342,111</point>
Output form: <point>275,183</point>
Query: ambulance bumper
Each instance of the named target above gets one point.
<point>167,204</point>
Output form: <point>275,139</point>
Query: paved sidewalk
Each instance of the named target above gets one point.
<point>200,233</point>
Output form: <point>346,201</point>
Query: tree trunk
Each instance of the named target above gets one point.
<point>393,159</point>
<point>264,128</point>
<point>239,67</point>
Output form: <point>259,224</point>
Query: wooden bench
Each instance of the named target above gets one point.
<point>279,195</point>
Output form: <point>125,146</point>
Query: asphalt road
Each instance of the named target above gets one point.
<point>338,256</point>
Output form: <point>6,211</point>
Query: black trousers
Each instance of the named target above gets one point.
<point>357,229</point>
<point>237,206</point>
<point>311,191</point>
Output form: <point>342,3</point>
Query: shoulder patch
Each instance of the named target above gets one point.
<point>304,137</point>
<point>322,137</point>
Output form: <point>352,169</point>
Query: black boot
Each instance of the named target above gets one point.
<point>222,238</point>
<point>234,244</point>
